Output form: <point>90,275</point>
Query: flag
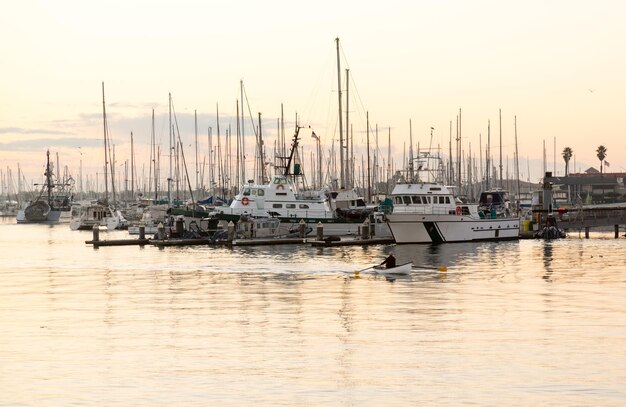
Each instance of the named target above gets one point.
<point>606,163</point>
<point>315,136</point>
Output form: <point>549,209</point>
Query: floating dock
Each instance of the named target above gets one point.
<point>351,242</point>
<point>119,242</point>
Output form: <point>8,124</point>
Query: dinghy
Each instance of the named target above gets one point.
<point>399,269</point>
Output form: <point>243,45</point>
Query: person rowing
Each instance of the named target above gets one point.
<point>389,262</point>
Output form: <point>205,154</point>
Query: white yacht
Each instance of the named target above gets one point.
<point>429,213</point>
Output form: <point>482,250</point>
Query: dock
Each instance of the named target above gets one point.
<point>118,242</point>
<point>236,242</point>
<point>351,242</point>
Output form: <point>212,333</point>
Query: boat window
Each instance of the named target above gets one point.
<point>277,205</point>
<point>442,200</point>
<point>253,191</point>
<point>261,192</point>
<point>416,199</point>
<point>407,199</point>
<point>425,200</point>
<point>290,206</point>
<point>280,181</point>
<point>246,192</point>
<point>304,206</point>
<point>447,199</point>
<point>398,200</point>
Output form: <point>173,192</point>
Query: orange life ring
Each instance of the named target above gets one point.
<point>280,186</point>
<point>245,200</point>
<point>458,210</point>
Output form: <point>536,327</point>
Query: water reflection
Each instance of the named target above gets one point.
<point>547,259</point>
<point>292,325</point>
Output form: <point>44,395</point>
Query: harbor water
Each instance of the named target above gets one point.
<point>521,323</point>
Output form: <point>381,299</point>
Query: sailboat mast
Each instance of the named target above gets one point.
<point>106,163</point>
<point>389,174</point>
<point>132,167</point>
<point>488,156</point>
<point>239,171</point>
<point>195,116</point>
<point>459,156</point>
<point>48,177</point>
<point>500,119</point>
<point>349,152</point>
<point>169,178</point>
<point>516,165</point>
<point>341,159</point>
<point>411,158</point>
<point>154,160</point>
<point>369,180</point>
<point>243,139</point>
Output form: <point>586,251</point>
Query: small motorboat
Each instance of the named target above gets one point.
<point>399,269</point>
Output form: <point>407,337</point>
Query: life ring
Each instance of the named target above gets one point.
<point>245,201</point>
<point>458,210</point>
<point>280,186</point>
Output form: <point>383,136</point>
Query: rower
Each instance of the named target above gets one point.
<point>390,261</point>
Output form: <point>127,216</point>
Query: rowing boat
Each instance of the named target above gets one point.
<point>400,269</point>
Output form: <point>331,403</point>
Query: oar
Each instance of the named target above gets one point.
<point>440,268</point>
<point>356,272</point>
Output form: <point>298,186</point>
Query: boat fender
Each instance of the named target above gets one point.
<point>458,210</point>
<point>245,201</point>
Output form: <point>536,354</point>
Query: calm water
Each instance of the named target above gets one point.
<point>523,323</point>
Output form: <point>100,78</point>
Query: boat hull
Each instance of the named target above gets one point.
<point>424,228</point>
<point>52,216</point>
<point>401,269</point>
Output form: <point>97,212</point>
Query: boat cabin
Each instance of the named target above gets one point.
<point>426,199</point>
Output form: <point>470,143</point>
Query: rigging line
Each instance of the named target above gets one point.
<point>182,152</point>
<point>250,111</point>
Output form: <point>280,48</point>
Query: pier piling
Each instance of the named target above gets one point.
<point>319,231</point>
<point>161,231</point>
<point>96,233</point>
<point>365,230</point>
<point>302,228</point>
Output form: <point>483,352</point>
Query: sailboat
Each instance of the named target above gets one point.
<point>100,213</point>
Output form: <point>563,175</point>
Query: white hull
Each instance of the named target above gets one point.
<point>437,228</point>
<point>403,269</point>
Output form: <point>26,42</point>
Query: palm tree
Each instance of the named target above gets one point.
<point>567,155</point>
<point>601,154</point>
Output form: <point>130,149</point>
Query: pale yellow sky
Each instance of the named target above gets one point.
<point>557,65</point>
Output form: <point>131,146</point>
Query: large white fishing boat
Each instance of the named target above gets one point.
<point>426,211</point>
<point>429,213</point>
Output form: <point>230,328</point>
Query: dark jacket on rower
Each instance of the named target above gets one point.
<point>390,262</point>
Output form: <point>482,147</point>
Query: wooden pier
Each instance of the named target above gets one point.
<point>351,242</point>
<point>592,216</point>
<point>118,242</point>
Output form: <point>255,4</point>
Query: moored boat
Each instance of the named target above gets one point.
<point>54,207</point>
<point>428,213</point>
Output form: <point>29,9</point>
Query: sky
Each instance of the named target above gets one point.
<point>557,67</point>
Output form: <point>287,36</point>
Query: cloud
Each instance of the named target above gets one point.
<point>19,130</point>
<point>36,144</point>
